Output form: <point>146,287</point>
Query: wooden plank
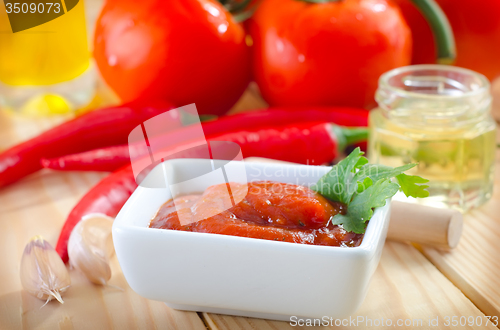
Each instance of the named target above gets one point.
<point>38,205</point>
<point>474,265</point>
<point>86,306</point>
<point>16,128</point>
<point>250,100</point>
<point>405,286</point>
<point>47,187</point>
<point>394,293</point>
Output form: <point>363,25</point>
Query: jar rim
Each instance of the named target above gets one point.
<point>384,81</point>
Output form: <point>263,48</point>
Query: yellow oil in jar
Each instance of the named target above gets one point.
<point>439,117</point>
<point>50,53</point>
<point>457,161</point>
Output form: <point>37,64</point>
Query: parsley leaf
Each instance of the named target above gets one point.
<point>378,172</point>
<point>410,187</point>
<point>338,184</point>
<point>362,187</point>
<point>360,210</point>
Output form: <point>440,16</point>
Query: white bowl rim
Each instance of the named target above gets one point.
<point>368,244</point>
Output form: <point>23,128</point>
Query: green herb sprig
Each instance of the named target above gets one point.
<point>363,186</point>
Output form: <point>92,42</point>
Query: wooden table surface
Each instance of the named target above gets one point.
<point>412,283</point>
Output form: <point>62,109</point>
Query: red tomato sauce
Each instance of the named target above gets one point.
<point>269,210</point>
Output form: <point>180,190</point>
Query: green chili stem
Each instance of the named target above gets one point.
<point>348,135</point>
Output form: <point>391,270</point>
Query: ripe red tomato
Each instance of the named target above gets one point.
<point>326,53</point>
<point>183,51</point>
<point>476,26</point>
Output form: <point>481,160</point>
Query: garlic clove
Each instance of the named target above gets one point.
<point>43,273</point>
<point>90,246</point>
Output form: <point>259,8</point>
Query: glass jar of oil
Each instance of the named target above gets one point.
<point>439,117</point>
<point>45,62</point>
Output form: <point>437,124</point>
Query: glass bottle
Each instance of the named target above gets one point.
<point>45,62</point>
<point>439,117</point>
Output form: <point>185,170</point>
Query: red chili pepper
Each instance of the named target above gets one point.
<point>306,143</point>
<point>313,143</point>
<point>99,128</point>
<point>112,158</point>
<point>107,197</point>
<point>272,117</point>
<point>343,116</point>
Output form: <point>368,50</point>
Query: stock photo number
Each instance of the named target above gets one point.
<point>26,14</point>
<point>32,7</point>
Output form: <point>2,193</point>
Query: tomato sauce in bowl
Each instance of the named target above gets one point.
<point>269,210</point>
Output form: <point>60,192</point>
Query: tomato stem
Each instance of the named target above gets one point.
<point>235,7</point>
<point>243,16</point>
<point>443,34</point>
<point>241,10</point>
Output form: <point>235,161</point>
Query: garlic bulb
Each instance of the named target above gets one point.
<point>43,273</point>
<point>90,246</point>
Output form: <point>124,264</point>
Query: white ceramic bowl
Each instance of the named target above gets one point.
<point>243,276</point>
